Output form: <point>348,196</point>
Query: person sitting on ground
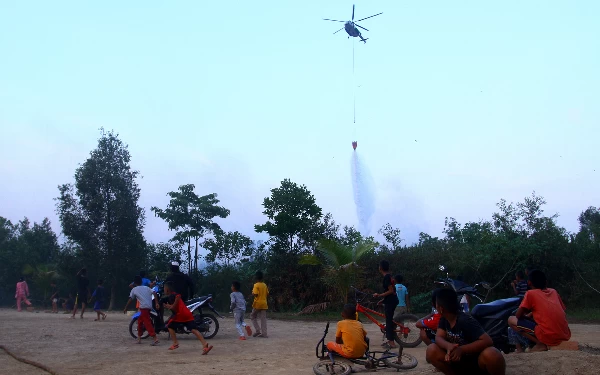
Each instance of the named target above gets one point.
<point>429,324</point>
<point>182,318</point>
<point>520,284</point>
<point>350,336</point>
<point>461,345</point>
<point>549,326</point>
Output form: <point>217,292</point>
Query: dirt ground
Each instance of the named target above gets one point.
<point>76,346</point>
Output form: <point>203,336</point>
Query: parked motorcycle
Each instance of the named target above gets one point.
<point>492,316</point>
<point>207,324</point>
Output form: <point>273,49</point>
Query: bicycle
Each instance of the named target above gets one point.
<point>406,332</point>
<point>328,365</point>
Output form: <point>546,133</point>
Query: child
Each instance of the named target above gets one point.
<point>238,306</point>
<point>390,301</point>
<point>429,324</point>
<point>520,284</point>
<point>259,306</point>
<point>549,326</point>
<point>54,297</point>
<point>461,345</point>
<point>144,295</point>
<point>403,299</point>
<point>82,292</point>
<point>99,296</point>
<point>350,336</point>
<point>182,318</point>
<point>21,294</point>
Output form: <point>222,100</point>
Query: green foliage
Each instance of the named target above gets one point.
<point>230,248</point>
<point>293,218</point>
<point>100,212</point>
<point>191,216</point>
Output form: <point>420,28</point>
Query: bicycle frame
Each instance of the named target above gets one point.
<point>401,329</point>
<point>366,312</point>
<point>369,359</point>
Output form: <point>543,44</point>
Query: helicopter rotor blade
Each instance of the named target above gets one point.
<point>355,24</point>
<point>327,19</point>
<point>370,17</point>
<point>339,30</point>
<point>352,12</point>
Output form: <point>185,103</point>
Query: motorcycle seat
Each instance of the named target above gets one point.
<point>485,309</point>
<point>197,299</point>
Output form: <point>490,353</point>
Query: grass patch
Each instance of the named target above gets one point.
<point>584,315</point>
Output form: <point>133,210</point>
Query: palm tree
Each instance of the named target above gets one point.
<point>340,261</point>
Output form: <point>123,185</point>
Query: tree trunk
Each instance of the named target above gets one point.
<point>196,257</point>
<point>189,254</point>
<point>113,294</point>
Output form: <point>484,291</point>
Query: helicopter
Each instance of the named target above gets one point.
<point>351,26</point>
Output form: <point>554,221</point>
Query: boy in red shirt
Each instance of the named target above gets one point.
<point>183,318</point>
<point>549,326</point>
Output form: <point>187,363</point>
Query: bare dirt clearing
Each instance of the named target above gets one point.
<point>75,346</point>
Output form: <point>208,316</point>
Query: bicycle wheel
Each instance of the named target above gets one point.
<point>406,362</point>
<point>327,367</point>
<point>412,338</point>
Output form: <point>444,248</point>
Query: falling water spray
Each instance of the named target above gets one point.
<point>362,185</point>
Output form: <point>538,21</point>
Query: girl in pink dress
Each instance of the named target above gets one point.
<point>22,293</point>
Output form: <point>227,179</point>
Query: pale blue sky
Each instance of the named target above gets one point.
<point>502,99</point>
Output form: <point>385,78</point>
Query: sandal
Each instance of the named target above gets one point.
<point>174,346</point>
<point>206,349</point>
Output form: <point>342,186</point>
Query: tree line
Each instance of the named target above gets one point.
<point>309,259</point>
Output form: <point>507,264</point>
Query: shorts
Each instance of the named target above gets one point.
<point>468,364</point>
<point>177,325</point>
<point>81,300</point>
<point>98,305</point>
<point>54,300</point>
<point>430,334</point>
<point>527,326</point>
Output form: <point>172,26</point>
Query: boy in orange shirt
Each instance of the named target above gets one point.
<point>350,336</point>
<point>549,326</point>
<point>183,318</point>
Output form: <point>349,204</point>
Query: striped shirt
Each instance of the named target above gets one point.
<point>521,288</point>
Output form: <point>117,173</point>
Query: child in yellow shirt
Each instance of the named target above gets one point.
<point>350,336</point>
<point>259,306</point>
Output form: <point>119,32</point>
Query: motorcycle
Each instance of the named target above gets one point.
<point>207,324</point>
<point>492,316</point>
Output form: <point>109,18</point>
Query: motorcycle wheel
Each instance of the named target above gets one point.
<point>133,329</point>
<point>413,338</point>
<point>327,367</point>
<point>211,320</point>
<point>408,362</point>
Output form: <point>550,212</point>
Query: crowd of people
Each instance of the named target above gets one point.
<point>456,342</point>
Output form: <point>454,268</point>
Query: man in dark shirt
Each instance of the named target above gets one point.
<point>461,345</point>
<point>83,292</point>
<point>182,282</point>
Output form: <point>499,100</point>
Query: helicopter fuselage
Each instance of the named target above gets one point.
<point>351,29</point>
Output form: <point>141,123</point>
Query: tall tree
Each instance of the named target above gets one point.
<point>192,216</point>
<point>229,248</point>
<point>293,216</point>
<point>100,212</point>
